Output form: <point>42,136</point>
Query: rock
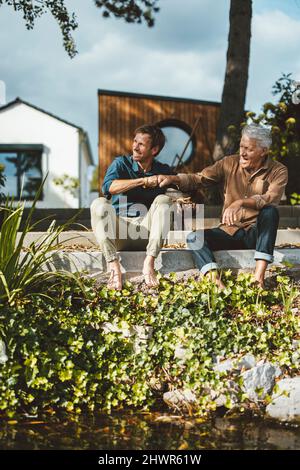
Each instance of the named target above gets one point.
<point>260,380</point>
<point>296,359</point>
<point>3,356</point>
<point>278,371</point>
<point>282,407</point>
<point>108,327</point>
<point>180,353</point>
<point>224,366</point>
<point>140,334</point>
<point>179,399</point>
<point>229,394</point>
<point>246,362</point>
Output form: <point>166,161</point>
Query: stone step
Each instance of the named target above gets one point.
<point>87,239</point>
<point>289,217</point>
<point>168,260</point>
<point>210,211</point>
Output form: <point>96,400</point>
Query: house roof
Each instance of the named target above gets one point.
<point>155,97</point>
<point>84,133</point>
<point>20,101</point>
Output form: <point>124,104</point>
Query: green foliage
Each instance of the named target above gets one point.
<point>68,183</point>
<point>33,9</point>
<point>24,274</point>
<point>95,179</point>
<point>294,199</point>
<point>80,353</point>
<point>133,11</point>
<point>2,182</point>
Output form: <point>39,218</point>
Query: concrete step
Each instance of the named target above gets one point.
<point>86,239</point>
<point>289,216</point>
<point>168,260</point>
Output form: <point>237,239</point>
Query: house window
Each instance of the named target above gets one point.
<point>178,140</point>
<point>23,170</point>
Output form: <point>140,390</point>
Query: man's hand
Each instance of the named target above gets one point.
<point>167,180</point>
<point>150,181</point>
<point>232,213</point>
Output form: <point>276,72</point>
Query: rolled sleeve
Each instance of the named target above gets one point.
<point>208,177</point>
<point>187,182</point>
<point>275,190</point>
<point>114,172</point>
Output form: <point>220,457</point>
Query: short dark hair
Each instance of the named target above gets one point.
<point>157,136</point>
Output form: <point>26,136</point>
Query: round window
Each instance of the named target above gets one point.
<point>177,137</point>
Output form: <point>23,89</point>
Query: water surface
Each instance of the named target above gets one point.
<point>146,431</point>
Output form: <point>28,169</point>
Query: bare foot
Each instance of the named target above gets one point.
<point>150,279</point>
<point>220,285</point>
<point>115,280</point>
<point>260,283</point>
<point>213,276</point>
<point>260,271</point>
<point>149,272</point>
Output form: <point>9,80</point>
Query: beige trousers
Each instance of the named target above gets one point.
<point>116,233</point>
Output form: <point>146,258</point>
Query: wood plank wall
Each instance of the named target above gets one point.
<point>120,114</point>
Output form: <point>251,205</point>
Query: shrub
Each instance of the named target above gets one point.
<point>80,353</point>
<point>24,274</point>
<point>2,182</point>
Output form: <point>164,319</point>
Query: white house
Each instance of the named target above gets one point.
<point>34,143</point>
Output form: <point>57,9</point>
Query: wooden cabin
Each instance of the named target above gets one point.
<point>189,125</point>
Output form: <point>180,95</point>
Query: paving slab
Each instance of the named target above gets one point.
<point>169,260</point>
<point>87,239</point>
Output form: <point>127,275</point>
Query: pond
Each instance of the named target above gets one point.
<point>147,431</point>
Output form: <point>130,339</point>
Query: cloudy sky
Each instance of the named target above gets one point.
<point>183,56</point>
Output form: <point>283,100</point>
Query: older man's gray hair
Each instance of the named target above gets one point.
<point>259,133</point>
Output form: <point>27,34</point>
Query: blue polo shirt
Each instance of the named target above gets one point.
<point>125,168</point>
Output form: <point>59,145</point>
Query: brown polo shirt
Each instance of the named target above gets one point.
<point>266,186</point>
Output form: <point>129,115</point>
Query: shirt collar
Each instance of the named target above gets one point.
<point>137,168</point>
<point>267,163</point>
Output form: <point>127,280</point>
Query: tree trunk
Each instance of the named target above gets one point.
<point>236,76</point>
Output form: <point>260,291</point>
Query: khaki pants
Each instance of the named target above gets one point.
<point>116,233</point>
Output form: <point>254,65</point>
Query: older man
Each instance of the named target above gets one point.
<point>135,212</point>
<point>253,186</point>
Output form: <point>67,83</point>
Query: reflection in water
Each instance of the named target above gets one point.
<point>146,431</point>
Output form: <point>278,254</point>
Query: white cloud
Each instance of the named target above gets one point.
<point>183,55</point>
<point>151,71</point>
<point>274,50</point>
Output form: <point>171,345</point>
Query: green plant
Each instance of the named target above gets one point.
<point>94,186</point>
<point>289,295</point>
<point>111,350</point>
<point>23,274</point>
<point>69,184</point>
<point>2,182</point>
